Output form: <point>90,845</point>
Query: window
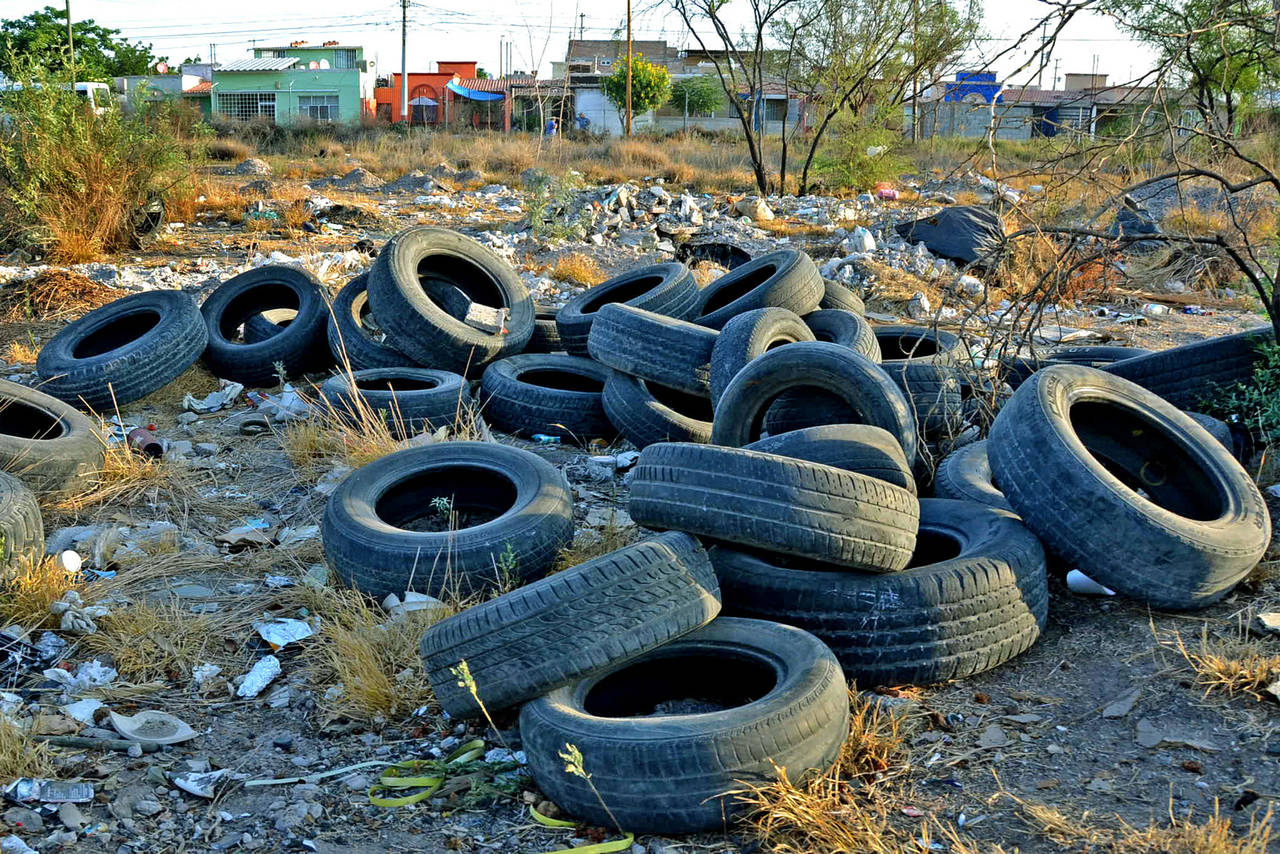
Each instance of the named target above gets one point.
<point>268,53</point>
<point>318,108</point>
<point>246,105</point>
<point>775,109</point>
<point>344,59</point>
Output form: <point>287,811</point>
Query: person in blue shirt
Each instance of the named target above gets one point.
<point>584,123</point>
<point>552,126</point>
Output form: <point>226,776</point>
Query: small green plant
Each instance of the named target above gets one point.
<point>466,680</point>
<point>442,505</point>
<point>507,562</point>
<point>575,765</point>
<point>1256,405</point>
<point>554,211</point>
<point>282,376</point>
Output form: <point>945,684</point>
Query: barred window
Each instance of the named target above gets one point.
<point>344,59</point>
<point>247,105</point>
<point>319,108</point>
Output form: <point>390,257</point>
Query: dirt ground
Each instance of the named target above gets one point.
<point>1104,719</point>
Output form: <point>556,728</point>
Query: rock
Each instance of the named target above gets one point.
<point>359,179</point>
<point>147,807</point>
<point>187,418</point>
<point>969,285</point>
<point>859,240</point>
<point>13,845</point>
<point>1122,705</point>
<point>23,818</point>
<point>178,449</point>
<point>261,187</point>
<point>71,817</point>
<point>993,736</point>
<point>754,208</point>
<point>284,741</point>
<point>205,449</point>
<point>252,166</point>
<point>919,307</point>
<point>1151,736</point>
<point>468,176</point>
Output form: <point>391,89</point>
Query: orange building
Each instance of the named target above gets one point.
<point>433,100</point>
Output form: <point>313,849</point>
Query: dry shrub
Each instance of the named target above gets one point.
<point>30,586</point>
<point>228,149</point>
<point>1189,219</point>
<point>21,755</point>
<point>128,478</point>
<point>577,268</point>
<point>371,656</point>
<point>53,295</point>
<point>1234,665</point>
<point>330,148</point>
<point>22,351</point>
<point>591,544</point>
<point>158,642</point>
<point>636,152</point>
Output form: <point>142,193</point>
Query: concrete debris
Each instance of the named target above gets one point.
<point>252,166</point>
<point>753,208</point>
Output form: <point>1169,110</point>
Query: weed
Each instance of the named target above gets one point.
<point>53,295</point>
<point>574,764</point>
<point>552,213</point>
<point>30,586</point>
<point>21,755</point>
<point>443,505</point>
<point>1232,665</point>
<point>577,268</point>
<point>227,149</point>
<point>22,352</point>
<point>466,680</point>
<point>1256,404</point>
<point>589,546</point>
<point>156,642</point>
<point>128,477</point>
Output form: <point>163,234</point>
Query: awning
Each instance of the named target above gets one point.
<point>423,101</point>
<point>473,94</point>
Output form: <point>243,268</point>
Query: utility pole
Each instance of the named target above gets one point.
<point>404,60</point>
<point>71,42</point>
<point>915,71</point>
<point>582,23</point>
<point>502,59</point>
<point>628,67</point>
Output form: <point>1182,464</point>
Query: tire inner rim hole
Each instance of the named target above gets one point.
<point>394,384</point>
<point>448,498</point>
<point>453,284</point>
<point>267,297</point>
<point>743,284</point>
<point>676,683</point>
<point>899,346</point>
<point>622,293</point>
<point>363,314</point>
<point>1148,460</point>
<point>779,342</point>
<point>934,546</point>
<point>116,334</point>
<point>28,422</point>
<point>562,380</point>
<point>805,406</point>
<point>689,405</point>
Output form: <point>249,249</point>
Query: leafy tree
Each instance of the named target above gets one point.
<point>1224,52</point>
<point>481,74</point>
<point>100,53</point>
<point>650,85</point>
<point>699,94</point>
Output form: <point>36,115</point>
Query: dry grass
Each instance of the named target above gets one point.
<point>591,544</point>
<point>644,154</point>
<point>53,295</point>
<point>129,478</point>
<point>1239,664</point>
<point>30,586</point>
<point>577,268</point>
<point>159,642</point>
<point>1189,219</point>
<point>787,228</point>
<point>22,351</point>
<point>227,149</point>
<point>848,809</point>
<point>374,658</point>
<point>21,755</point>
<point>197,380</point>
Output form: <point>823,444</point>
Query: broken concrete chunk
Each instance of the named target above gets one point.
<point>993,736</point>
<point>1122,705</point>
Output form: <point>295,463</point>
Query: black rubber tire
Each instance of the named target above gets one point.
<point>974,598</point>
<point>1204,526</point>
<point>516,398</point>
<point>778,504</point>
<point>846,328</point>
<point>858,448</point>
<point>1093,355</point>
<point>838,296</point>
<point>917,343</point>
<point>123,351</point>
<point>546,334</point>
<point>419,327</point>
<point>21,528</point>
<point>660,349</point>
<point>1187,375</point>
<point>862,385</point>
<point>933,392</point>
<point>572,624</point>
<point>647,413</point>
<point>675,773</point>
<point>667,288</point>
<point>260,327</point>
<point>348,337</point>
<point>50,446</point>
<point>1218,429</point>
<point>965,475</point>
<point>408,400</point>
<point>786,279</point>
<point>530,496</point>
<point>749,336</point>
<point>301,347</point>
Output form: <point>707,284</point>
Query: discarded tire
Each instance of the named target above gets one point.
<point>572,624</point>
<point>21,527</point>
<point>1071,450</point>
<point>123,351</point>
<point>647,413</point>
<point>555,394</point>
<point>386,526</point>
<point>933,392</point>
<point>774,503</point>
<point>1093,356</point>
<point>749,336</point>
<point>858,448</point>
<point>425,284</point>
<point>546,335</point>
<point>660,349</point>
<point>408,400</point>
<point>965,475</point>
<point>767,696</point>
<point>350,338</point>
<point>974,597</point>
<point>860,384</point>
<point>785,279</point>
<point>836,295</point>
<point>1218,429</point>
<point>917,343</point>
<point>1186,375</point>
<point>661,288</point>
<point>846,328</point>
<point>300,347</point>
<point>266,325</point>
<point>48,444</point>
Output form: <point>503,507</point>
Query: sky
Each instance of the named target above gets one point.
<point>538,29</point>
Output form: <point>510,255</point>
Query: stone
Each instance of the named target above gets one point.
<point>205,449</point>
<point>993,736</point>
<point>23,818</point>
<point>754,208</point>
<point>147,807</point>
<point>1122,705</point>
<point>252,166</point>
<point>283,740</point>
<point>919,306</point>
<point>188,417</point>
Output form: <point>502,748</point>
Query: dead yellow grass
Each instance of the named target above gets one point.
<point>591,544</point>
<point>371,656</point>
<point>228,149</point>
<point>788,228</point>
<point>197,380</point>
<point>1235,665</point>
<point>30,586</point>
<point>642,153</point>
<point>22,351</point>
<point>577,268</point>
<point>53,295</point>
<point>21,755</point>
<point>127,478</point>
<point>151,642</point>
<point>1189,219</point>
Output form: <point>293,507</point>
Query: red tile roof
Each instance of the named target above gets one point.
<point>204,87</point>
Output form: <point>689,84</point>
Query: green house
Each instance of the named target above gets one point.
<point>296,83</point>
